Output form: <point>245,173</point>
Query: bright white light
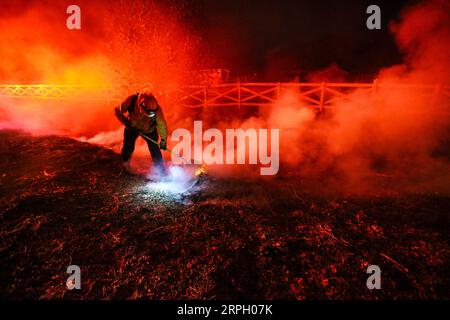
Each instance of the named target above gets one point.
<point>169,187</point>
<point>177,174</point>
<point>175,182</point>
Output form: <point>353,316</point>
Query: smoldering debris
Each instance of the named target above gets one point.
<point>67,202</point>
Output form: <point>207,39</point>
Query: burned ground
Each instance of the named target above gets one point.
<point>66,202</point>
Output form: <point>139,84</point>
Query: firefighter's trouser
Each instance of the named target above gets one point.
<point>129,140</point>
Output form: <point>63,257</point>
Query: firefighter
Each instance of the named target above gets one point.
<point>144,116</point>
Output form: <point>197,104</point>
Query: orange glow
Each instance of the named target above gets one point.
<point>130,45</point>
<point>145,43</point>
<point>118,43</point>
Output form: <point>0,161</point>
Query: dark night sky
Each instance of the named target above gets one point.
<point>248,36</point>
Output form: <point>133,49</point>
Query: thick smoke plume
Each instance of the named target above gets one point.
<point>398,132</point>
<point>128,45</point>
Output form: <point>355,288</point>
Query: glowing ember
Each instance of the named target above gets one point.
<point>201,171</point>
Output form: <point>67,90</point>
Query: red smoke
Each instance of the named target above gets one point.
<point>423,33</point>
<point>120,44</point>
<point>400,130</point>
<point>396,133</point>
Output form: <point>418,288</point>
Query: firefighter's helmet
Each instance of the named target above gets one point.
<point>148,104</point>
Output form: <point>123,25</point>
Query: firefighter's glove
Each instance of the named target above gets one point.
<point>163,145</point>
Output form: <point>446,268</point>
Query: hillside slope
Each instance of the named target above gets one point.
<point>66,202</point>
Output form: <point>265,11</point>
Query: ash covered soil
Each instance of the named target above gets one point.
<point>65,202</point>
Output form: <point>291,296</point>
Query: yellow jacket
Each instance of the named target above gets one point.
<point>140,121</point>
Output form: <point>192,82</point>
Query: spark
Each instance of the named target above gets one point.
<point>201,171</point>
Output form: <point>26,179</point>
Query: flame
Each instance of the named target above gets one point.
<point>200,171</point>
<point>142,42</point>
